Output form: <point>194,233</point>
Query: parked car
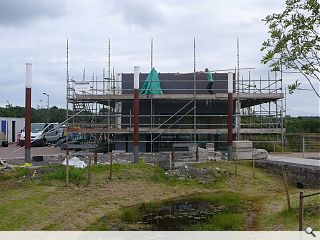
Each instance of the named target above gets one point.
<point>41,134</point>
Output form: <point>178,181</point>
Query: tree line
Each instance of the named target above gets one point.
<point>54,114</point>
<point>302,124</point>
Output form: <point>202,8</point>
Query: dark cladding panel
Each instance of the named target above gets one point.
<point>176,84</point>
<point>180,83</point>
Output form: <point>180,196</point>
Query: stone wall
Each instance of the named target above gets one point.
<point>303,176</point>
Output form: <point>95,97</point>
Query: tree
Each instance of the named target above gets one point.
<point>294,40</point>
<point>37,115</point>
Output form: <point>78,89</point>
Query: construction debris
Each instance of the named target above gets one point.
<point>26,165</point>
<point>210,152</point>
<point>204,174</point>
<point>260,154</point>
<point>242,150</point>
<point>75,162</point>
<point>6,165</point>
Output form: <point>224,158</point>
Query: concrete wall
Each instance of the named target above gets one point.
<point>305,176</point>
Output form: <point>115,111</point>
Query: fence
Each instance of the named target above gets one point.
<point>303,142</point>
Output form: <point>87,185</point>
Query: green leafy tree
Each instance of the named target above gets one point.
<point>294,40</point>
<point>37,115</point>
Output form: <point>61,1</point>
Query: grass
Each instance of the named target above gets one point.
<point>58,172</point>
<point>231,217</point>
<point>288,219</point>
<point>228,199</point>
<point>225,221</point>
<point>133,214</point>
<point>19,213</point>
<point>18,173</point>
<point>42,202</point>
<point>142,170</point>
<point>101,225</point>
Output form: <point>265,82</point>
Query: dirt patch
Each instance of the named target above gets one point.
<point>76,208</point>
<point>34,204</point>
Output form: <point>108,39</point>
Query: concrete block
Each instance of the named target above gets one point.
<point>242,144</point>
<point>243,155</point>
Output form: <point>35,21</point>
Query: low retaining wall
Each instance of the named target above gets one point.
<point>303,176</point>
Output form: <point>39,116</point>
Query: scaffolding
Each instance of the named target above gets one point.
<point>102,109</point>
<point>108,118</point>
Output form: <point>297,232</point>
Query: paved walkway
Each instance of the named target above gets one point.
<point>14,151</point>
<point>298,160</point>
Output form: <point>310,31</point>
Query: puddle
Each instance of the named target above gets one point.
<point>176,216</point>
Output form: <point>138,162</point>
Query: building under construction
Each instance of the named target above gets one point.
<point>176,108</point>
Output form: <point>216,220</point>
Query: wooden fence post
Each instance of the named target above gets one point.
<point>253,168</point>
<point>67,167</point>
<point>95,157</point>
<point>89,169</point>
<point>197,153</point>
<point>285,181</point>
<point>301,209</point>
<point>110,174</point>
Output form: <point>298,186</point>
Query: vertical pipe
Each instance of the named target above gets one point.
<point>250,112</point>
<point>103,81</point>
<point>136,115</point>
<point>96,110</point>
<point>230,115</point>
<point>282,110</point>
<point>109,59</point>
<point>28,113</point>
<point>249,87</point>
<point>238,118</point>
<point>109,114</point>
<point>151,102</point>
<point>269,110</point>
<point>242,84</point>
<point>301,209</point>
<point>67,78</point>
<point>276,102</point>
<point>194,93</point>
<point>151,57</point>
<point>67,113</point>
<point>151,122</point>
<point>260,109</point>
<point>285,113</point>
<point>303,148</point>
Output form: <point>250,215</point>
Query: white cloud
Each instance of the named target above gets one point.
<point>16,12</point>
<point>40,33</point>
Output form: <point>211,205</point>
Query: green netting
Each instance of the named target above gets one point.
<point>152,84</point>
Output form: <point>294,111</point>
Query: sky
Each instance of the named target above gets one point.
<point>35,31</point>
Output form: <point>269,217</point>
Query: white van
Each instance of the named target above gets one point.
<point>41,134</point>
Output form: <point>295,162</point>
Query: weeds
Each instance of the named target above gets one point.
<point>20,172</point>
<point>76,175</point>
<point>224,221</point>
<point>231,201</point>
<point>132,215</point>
